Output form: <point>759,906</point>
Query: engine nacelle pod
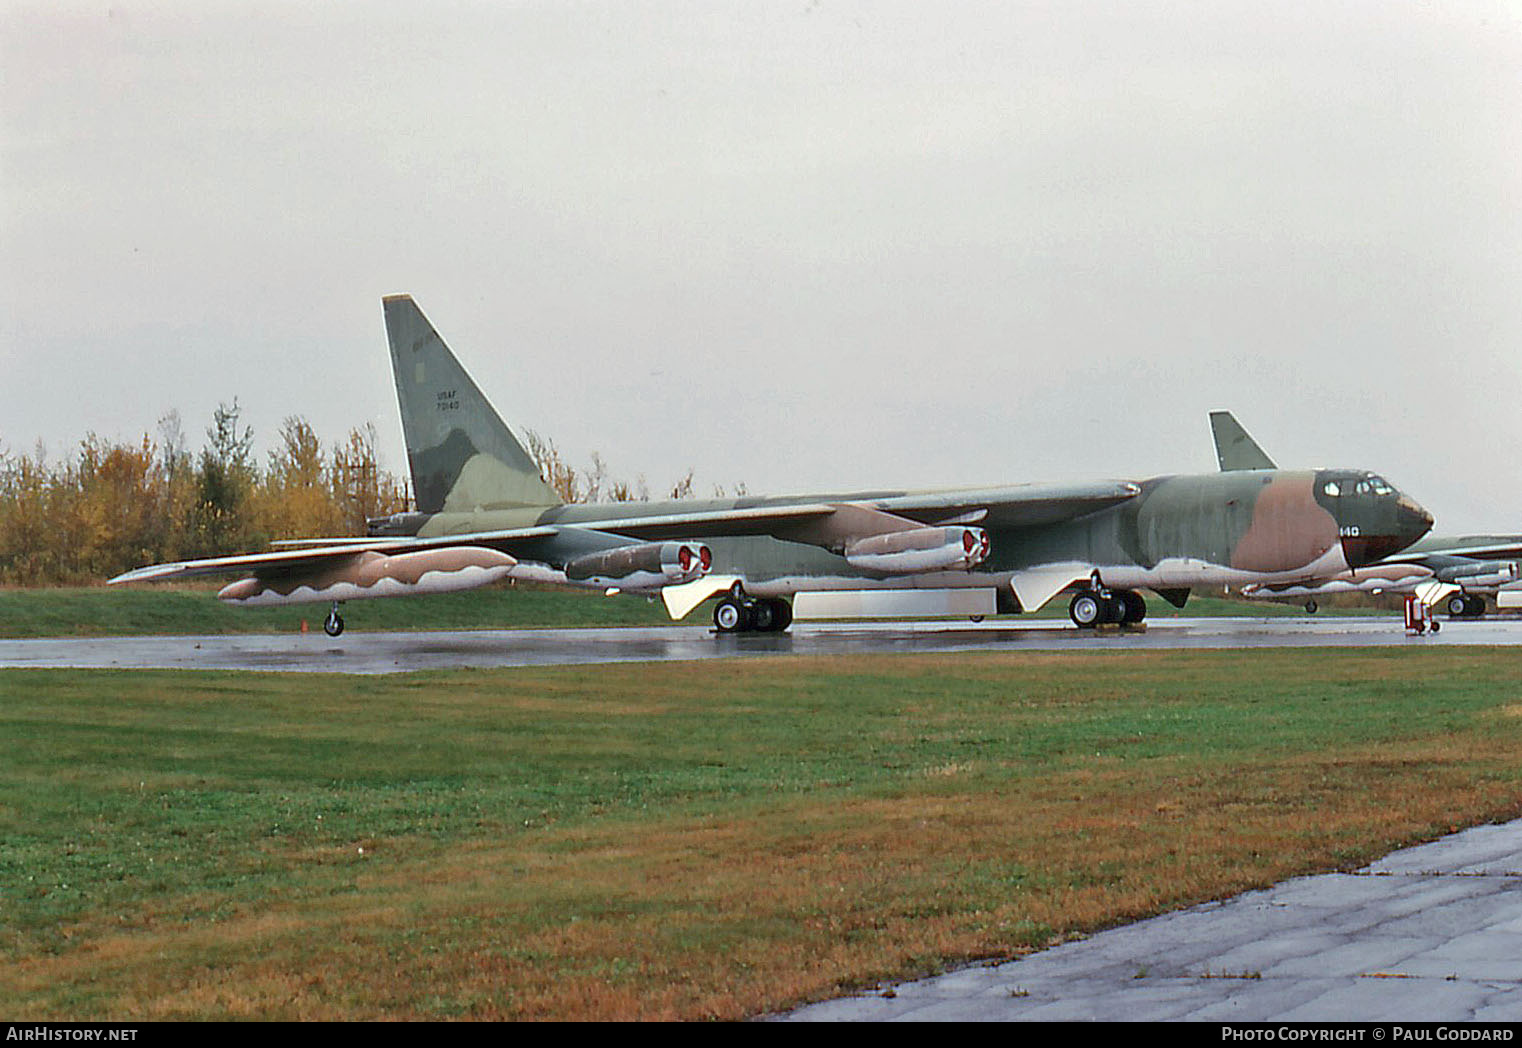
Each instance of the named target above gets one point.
<point>371,574</point>
<point>919,550</point>
<point>1482,573</point>
<point>646,566</point>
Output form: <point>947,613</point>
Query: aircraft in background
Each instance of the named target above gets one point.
<point>484,513</point>
<point>1457,571</point>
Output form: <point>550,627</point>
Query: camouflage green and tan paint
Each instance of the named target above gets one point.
<point>460,453</point>
<point>641,568</point>
<point>477,488</point>
<point>368,574</point>
<point>1473,565</point>
<point>1166,533</point>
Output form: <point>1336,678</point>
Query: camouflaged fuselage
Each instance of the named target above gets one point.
<point>1177,532</point>
<point>479,489</point>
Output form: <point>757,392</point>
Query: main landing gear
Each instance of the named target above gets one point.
<point>333,625</point>
<point>1466,606</point>
<point>1098,606</point>
<point>737,613</point>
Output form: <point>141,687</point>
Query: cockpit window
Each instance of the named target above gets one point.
<point>1332,488</point>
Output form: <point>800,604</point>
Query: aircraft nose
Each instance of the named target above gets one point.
<point>1371,542</point>
<point>1411,520</point>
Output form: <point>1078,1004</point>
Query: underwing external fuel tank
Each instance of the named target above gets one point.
<point>368,574</point>
<point>485,511</point>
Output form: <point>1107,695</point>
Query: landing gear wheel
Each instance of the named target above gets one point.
<point>1086,610</point>
<point>1135,607</point>
<point>728,616</point>
<point>762,614</point>
<point>1466,606</point>
<point>1310,607</point>
<point>333,625</point>
<point>782,614</point>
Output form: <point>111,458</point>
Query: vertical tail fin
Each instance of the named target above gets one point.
<point>1234,449</point>
<point>462,455</point>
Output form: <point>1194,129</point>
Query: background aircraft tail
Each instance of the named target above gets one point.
<point>463,457</point>
<point>1234,449</point>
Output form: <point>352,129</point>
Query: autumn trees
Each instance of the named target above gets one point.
<point>109,507</point>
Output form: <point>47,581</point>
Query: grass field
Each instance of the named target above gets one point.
<point>114,611</point>
<point>710,840</point>
<point>133,610</point>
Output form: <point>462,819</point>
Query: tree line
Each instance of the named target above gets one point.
<point>113,506</point>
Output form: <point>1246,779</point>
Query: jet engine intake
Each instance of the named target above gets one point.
<point>918,550</point>
<point>646,566</point>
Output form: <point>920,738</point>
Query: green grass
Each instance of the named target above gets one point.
<point>687,840</point>
<point>131,610</point>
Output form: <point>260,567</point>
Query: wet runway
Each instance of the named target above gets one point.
<point>1431,934</point>
<point>395,652</point>
<point>1427,935</point>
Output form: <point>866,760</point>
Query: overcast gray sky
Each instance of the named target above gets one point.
<point>803,245</point>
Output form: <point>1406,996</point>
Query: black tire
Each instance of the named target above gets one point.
<point>782,614</point>
<point>1458,605</point>
<point>333,625</point>
<point>762,616</point>
<point>1135,605</point>
<point>1310,607</point>
<point>1086,609</point>
<point>728,616</point>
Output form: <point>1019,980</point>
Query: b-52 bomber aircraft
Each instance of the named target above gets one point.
<point>484,513</point>
<point>1457,571</point>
